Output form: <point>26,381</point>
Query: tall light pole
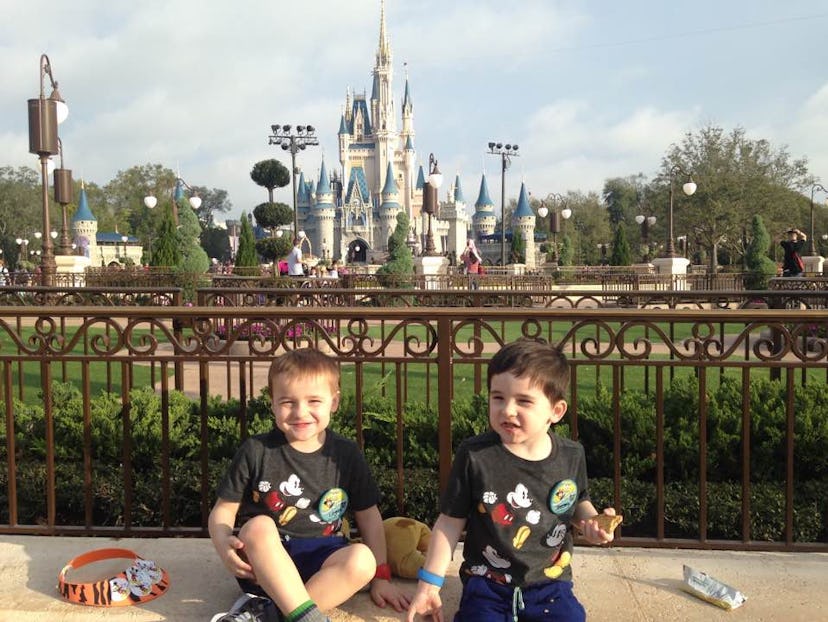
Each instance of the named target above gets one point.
<point>305,135</point>
<point>554,219</point>
<point>646,222</point>
<point>430,187</point>
<point>505,152</point>
<point>64,194</point>
<point>44,117</point>
<point>689,188</point>
<point>812,251</point>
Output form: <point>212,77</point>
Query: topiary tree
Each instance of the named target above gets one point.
<point>166,251</point>
<point>194,258</point>
<point>759,265</point>
<point>566,253</point>
<point>270,174</point>
<point>270,249</point>
<point>271,216</point>
<point>621,254</point>
<point>400,265</point>
<point>517,254</point>
<point>247,259</point>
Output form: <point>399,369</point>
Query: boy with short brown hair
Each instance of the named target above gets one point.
<point>290,489</point>
<point>518,490</point>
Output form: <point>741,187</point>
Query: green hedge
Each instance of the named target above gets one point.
<point>420,456</point>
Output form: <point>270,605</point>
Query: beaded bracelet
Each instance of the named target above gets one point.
<point>430,577</point>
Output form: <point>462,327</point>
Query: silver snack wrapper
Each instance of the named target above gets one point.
<point>707,588</point>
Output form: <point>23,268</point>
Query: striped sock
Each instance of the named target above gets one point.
<point>306,612</point>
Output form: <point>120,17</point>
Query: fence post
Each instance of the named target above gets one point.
<point>445,390</point>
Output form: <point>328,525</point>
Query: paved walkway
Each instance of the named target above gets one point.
<point>618,584</point>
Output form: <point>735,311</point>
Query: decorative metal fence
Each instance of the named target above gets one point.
<point>649,382</point>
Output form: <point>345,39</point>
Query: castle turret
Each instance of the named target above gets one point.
<point>484,219</point>
<point>454,213</point>
<point>85,227</point>
<point>324,214</point>
<point>389,208</point>
<point>523,222</point>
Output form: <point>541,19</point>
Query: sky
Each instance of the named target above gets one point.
<point>589,90</point>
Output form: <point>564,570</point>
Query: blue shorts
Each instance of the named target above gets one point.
<point>487,601</point>
<point>308,555</point>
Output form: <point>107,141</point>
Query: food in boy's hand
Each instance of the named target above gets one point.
<point>608,523</point>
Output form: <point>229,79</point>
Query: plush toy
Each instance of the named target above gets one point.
<point>406,541</point>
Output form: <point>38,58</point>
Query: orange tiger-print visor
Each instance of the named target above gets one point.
<point>141,582</point>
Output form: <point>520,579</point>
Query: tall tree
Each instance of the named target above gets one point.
<point>166,251</point>
<point>247,260</point>
<point>737,177</point>
<point>270,174</point>
<point>623,197</point>
<point>621,254</point>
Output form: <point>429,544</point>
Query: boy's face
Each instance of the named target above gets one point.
<point>302,406</point>
<point>520,412</point>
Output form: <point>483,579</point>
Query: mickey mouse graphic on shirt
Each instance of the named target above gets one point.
<point>518,509</point>
<point>278,500</point>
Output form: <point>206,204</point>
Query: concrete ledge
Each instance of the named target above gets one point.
<point>613,584</point>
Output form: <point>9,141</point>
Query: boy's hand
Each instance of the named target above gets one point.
<point>426,602</point>
<point>233,558</point>
<point>386,593</point>
<point>592,530</point>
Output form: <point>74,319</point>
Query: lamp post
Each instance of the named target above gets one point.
<point>646,222</point>
<point>430,187</point>
<point>554,219</point>
<point>23,249</point>
<point>64,194</point>
<point>44,117</point>
<point>305,135</point>
<point>195,201</point>
<point>689,188</point>
<point>812,251</point>
<point>505,152</point>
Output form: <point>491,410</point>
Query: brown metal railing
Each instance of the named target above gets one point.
<point>197,350</point>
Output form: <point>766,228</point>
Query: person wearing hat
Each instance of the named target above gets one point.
<point>792,264</point>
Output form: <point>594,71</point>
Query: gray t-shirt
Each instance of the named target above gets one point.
<point>518,511</point>
<point>300,491</point>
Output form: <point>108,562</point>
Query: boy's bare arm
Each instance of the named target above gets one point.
<point>371,529</point>
<point>220,525</point>
<point>444,537</point>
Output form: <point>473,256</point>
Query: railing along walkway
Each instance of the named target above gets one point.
<point>416,359</point>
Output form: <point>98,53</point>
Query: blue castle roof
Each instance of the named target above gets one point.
<point>390,191</point>
<point>458,191</point>
<point>523,209</point>
<point>83,212</point>
<point>324,185</point>
<point>420,178</point>
<point>483,198</point>
<point>358,184</point>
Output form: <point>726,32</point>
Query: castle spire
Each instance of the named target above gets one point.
<point>383,50</point>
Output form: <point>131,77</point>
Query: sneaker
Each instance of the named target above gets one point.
<point>250,608</point>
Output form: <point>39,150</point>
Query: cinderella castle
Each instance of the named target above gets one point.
<point>351,213</point>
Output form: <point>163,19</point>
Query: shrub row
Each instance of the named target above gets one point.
<point>105,435</point>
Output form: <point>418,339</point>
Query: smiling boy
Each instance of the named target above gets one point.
<point>290,489</point>
<point>518,490</point>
